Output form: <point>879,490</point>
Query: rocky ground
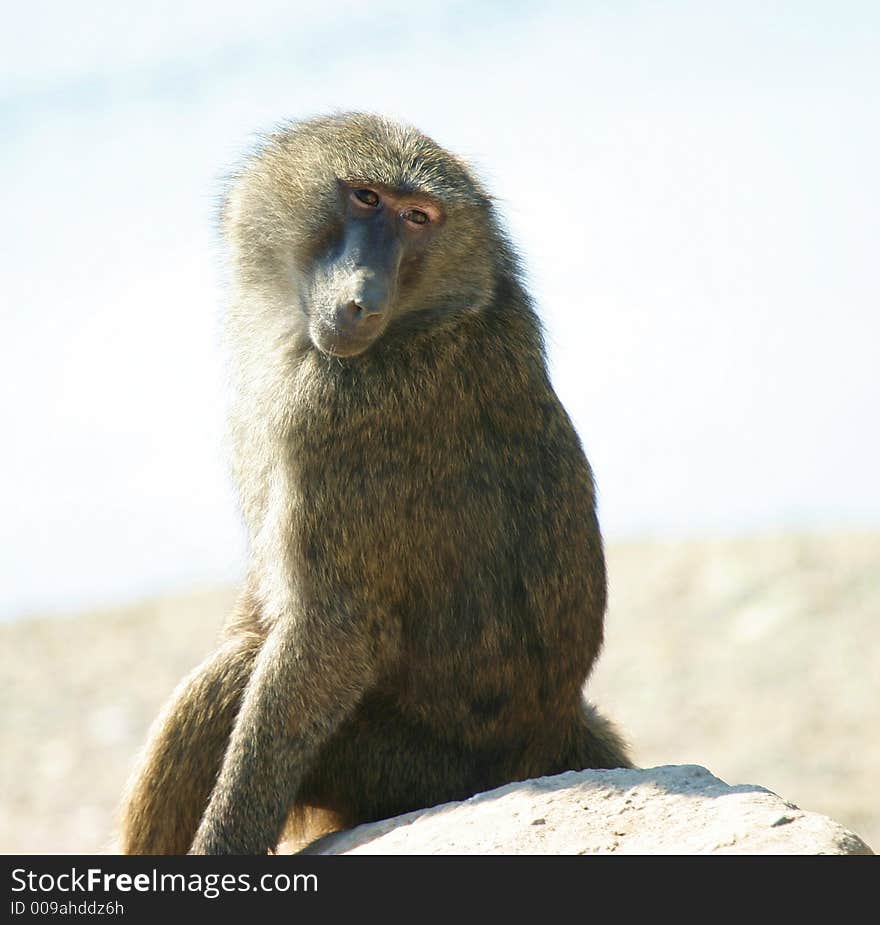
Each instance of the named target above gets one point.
<point>757,657</point>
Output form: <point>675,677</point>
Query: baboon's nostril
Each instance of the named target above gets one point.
<point>351,314</point>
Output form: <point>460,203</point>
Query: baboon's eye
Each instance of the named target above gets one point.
<point>367,197</point>
<point>415,216</point>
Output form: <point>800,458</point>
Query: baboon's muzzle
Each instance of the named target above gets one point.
<point>367,270</point>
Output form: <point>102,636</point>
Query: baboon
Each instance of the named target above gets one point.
<point>426,584</point>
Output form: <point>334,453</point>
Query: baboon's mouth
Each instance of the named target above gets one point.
<point>334,344</point>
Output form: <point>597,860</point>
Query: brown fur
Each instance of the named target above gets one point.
<point>427,586</point>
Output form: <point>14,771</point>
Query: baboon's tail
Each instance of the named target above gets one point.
<point>602,744</point>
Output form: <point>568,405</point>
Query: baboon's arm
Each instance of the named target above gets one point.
<point>310,674</point>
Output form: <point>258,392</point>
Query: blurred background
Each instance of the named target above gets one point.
<point>694,190</point>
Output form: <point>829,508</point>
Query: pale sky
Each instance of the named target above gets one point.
<point>693,188</point>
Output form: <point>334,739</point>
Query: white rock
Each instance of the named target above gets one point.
<point>665,810</point>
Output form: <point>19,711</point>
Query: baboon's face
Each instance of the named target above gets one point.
<point>348,231</point>
<point>367,271</point>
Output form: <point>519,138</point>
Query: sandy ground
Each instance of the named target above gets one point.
<point>757,657</point>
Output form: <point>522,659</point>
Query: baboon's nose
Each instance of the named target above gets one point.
<point>358,315</point>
